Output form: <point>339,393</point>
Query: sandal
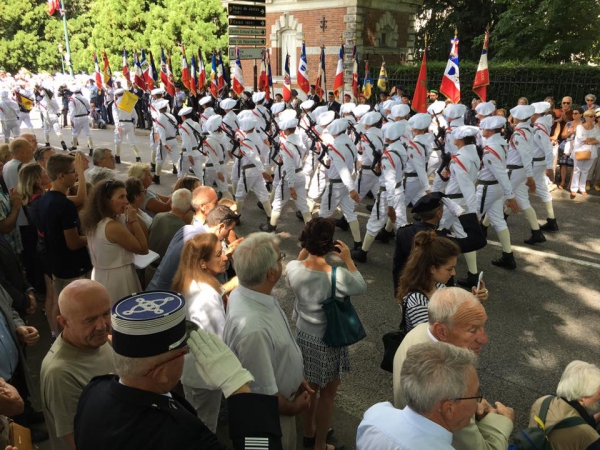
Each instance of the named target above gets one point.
<point>560,186</point>
<point>573,195</point>
<point>584,194</point>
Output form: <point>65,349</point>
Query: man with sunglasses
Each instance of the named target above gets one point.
<point>491,427</point>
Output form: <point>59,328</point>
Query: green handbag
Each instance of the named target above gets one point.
<point>343,325</point>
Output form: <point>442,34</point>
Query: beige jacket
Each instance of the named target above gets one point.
<point>490,433</point>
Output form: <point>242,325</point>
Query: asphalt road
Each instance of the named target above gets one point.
<point>540,317</point>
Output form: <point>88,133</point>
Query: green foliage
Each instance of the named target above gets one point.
<point>29,37</point>
<point>510,80</point>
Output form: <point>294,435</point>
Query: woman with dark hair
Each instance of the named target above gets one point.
<point>202,259</point>
<point>310,279</point>
<point>565,149</point>
<point>136,196</point>
<point>114,234</point>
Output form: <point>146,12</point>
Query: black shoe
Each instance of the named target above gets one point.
<point>537,237</point>
<point>384,236</point>
<point>118,159</point>
<point>357,245</point>
<point>260,206</point>
<point>174,169</point>
<point>152,167</point>
<point>47,144</point>
<point>550,226</point>
<point>156,179</point>
<point>38,435</point>
<point>309,442</point>
<point>369,208</point>
<point>369,195</point>
<point>72,149</point>
<point>469,281</point>
<point>138,159</point>
<point>299,216</point>
<point>342,224</point>
<point>268,227</point>
<point>507,261</point>
<point>64,146</point>
<point>269,186</point>
<point>359,255</point>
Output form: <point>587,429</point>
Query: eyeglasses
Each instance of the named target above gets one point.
<point>566,103</point>
<point>112,158</point>
<point>479,397</point>
<point>184,351</point>
<point>589,100</point>
<point>281,257</point>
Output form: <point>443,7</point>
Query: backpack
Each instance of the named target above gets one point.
<point>536,438</point>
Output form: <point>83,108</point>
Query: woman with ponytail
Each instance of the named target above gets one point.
<point>430,266</point>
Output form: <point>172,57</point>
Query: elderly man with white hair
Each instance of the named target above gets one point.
<point>457,317</point>
<point>578,399</point>
<point>442,393</point>
<point>258,332</point>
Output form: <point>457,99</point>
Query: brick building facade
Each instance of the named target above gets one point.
<point>378,27</point>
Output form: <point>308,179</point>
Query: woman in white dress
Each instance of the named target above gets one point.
<point>202,259</point>
<point>587,138</point>
<point>114,235</point>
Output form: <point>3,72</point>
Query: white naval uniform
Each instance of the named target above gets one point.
<point>9,117</point>
<point>262,116</point>
<point>416,182</point>
<point>24,116</point>
<point>339,179</point>
<point>393,163</point>
<point>191,141</point>
<point>251,170</point>
<point>50,113</point>
<point>543,157</point>
<point>154,142</point>
<point>79,111</point>
<point>493,185</point>
<point>166,125</point>
<point>292,153</point>
<point>314,171</point>
<point>216,162</point>
<point>367,180</point>
<point>435,157</point>
<point>518,163</point>
<point>124,124</point>
<point>439,185</point>
<point>464,168</point>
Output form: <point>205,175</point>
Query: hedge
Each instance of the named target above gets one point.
<point>508,80</point>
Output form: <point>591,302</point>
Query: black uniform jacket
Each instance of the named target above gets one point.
<point>475,240</point>
<point>117,417</point>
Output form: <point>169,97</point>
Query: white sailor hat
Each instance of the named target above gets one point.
<point>347,108</point>
<point>148,324</point>
<point>522,112</point>
<point>185,111</point>
<point>258,97</point>
<point>205,100</point>
<point>157,91</point>
<point>119,91</point>
<point>75,88</point>
<point>288,114</point>
<point>245,114</point>
<point>337,126</point>
<point>455,110</point>
<point>389,104</point>
<point>307,104</point>
<point>465,131</point>
<point>213,123</point>
<point>326,118</point>
<point>541,107</point>
<point>277,107</point>
<point>228,103</point>
<point>318,111</point>
<point>394,130</point>
<point>436,107</point>
<point>371,118</point>
<point>208,112</point>
<point>485,108</point>
<point>419,121</point>
<point>361,110</point>
<point>3,94</point>
<point>161,104</point>
<point>247,124</point>
<point>401,110</point>
<point>287,124</point>
<point>492,123</point>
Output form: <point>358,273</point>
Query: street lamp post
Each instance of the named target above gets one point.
<point>68,54</point>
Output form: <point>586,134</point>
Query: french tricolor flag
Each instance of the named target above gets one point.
<point>338,81</point>
<point>303,82</point>
<point>482,77</point>
<point>451,80</point>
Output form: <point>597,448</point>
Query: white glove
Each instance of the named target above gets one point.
<point>454,208</point>
<point>217,365</point>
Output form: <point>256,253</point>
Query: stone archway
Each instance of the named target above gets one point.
<point>386,31</point>
<point>286,37</point>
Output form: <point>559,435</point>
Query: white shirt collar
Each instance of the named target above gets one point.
<point>424,423</point>
<point>431,336</point>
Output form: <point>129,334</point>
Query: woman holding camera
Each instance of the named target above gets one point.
<point>310,280</point>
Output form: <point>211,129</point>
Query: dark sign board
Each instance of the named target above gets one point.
<point>247,22</point>
<point>239,9</point>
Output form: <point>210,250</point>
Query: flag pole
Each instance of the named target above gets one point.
<point>63,12</point>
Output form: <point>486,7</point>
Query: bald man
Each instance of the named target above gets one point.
<point>80,353</point>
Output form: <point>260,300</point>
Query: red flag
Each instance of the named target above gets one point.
<point>237,78</point>
<point>338,81</point>
<point>201,72</point>
<point>53,6</point>
<point>287,81</point>
<point>97,72</point>
<point>125,68</point>
<point>355,72</point>
<point>482,77</point>
<point>185,71</point>
<point>419,103</point>
<point>138,74</point>
<point>170,80</point>
<point>164,77</point>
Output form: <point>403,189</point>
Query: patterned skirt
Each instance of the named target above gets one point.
<point>322,364</point>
